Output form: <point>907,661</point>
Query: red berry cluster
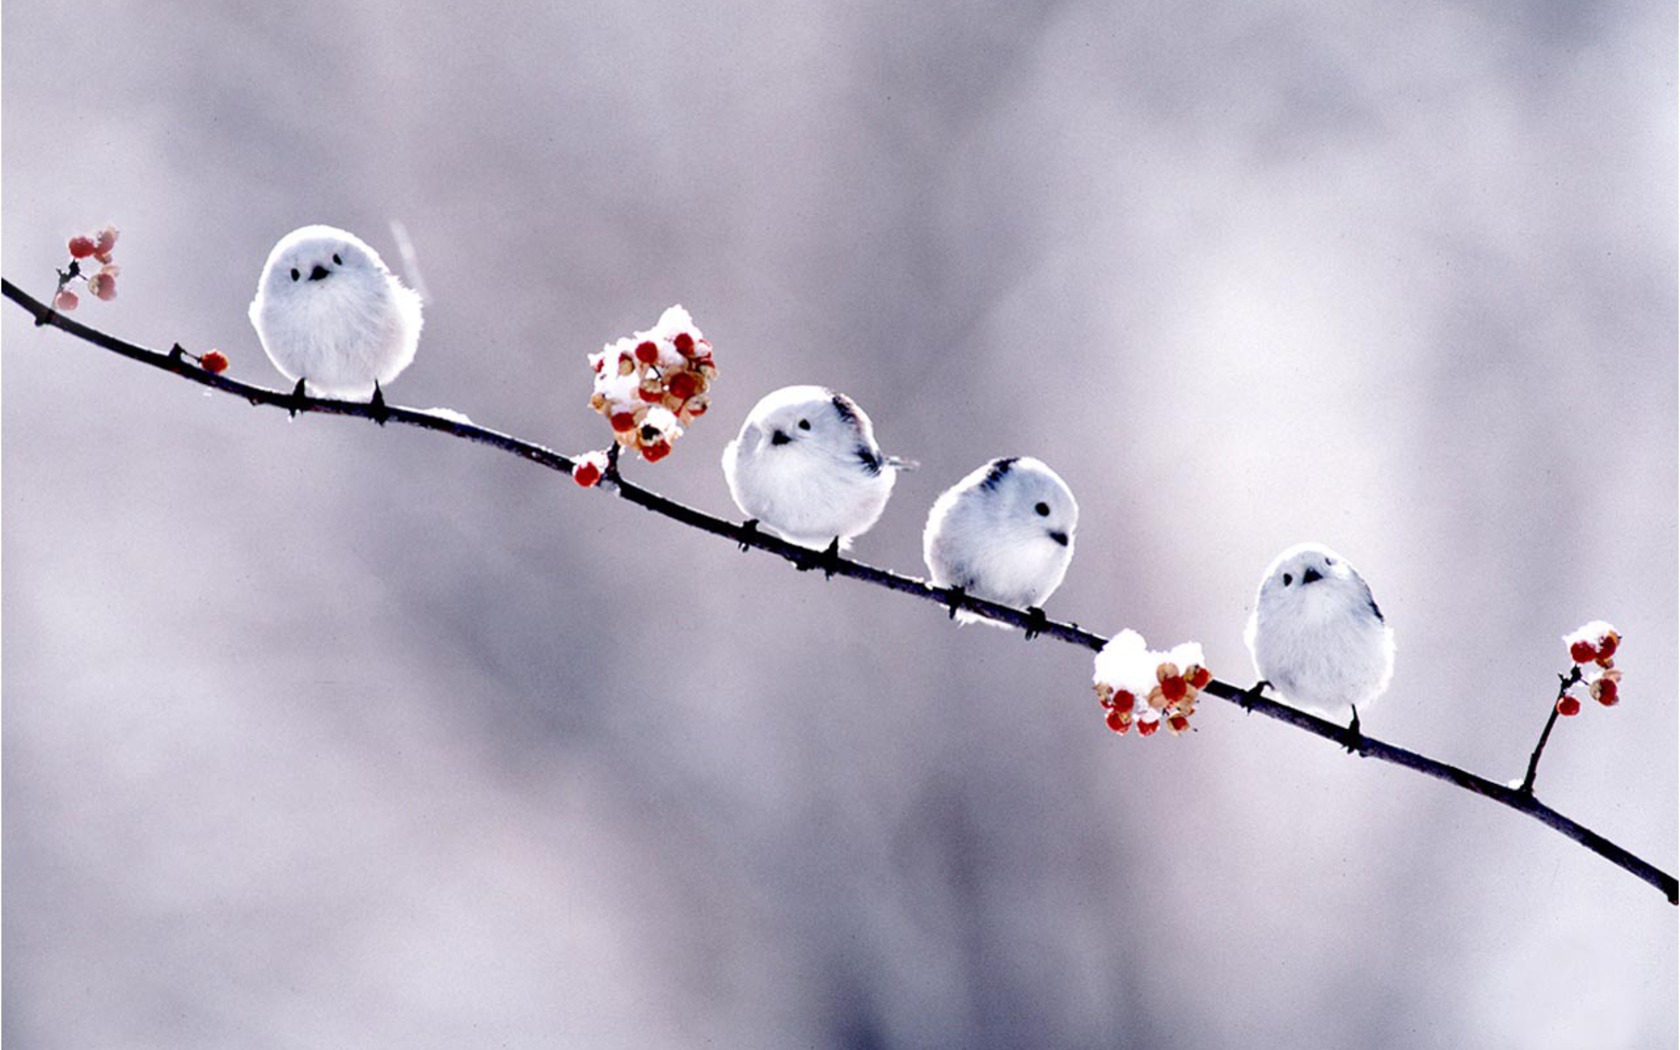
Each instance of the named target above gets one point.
<point>102,284</point>
<point>1593,648</point>
<point>1170,703</point>
<point>653,384</point>
<point>1139,687</point>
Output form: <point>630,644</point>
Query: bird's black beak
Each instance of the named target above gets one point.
<point>1310,575</point>
<point>317,273</point>
<point>1060,537</point>
<point>778,437</point>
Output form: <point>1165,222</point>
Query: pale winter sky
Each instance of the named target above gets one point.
<point>321,735</point>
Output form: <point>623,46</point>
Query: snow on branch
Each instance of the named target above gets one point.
<point>1519,797</point>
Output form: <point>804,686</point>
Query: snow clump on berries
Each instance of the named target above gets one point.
<point>1138,686</point>
<point>653,384</point>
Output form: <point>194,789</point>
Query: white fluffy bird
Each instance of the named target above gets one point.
<point>1004,533</point>
<point>332,316</point>
<point>1317,635</point>
<point>806,464</point>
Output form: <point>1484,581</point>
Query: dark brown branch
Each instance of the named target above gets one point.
<point>1518,799</point>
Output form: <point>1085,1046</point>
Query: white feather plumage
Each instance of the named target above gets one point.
<point>329,312</point>
<point>806,464</point>
<point>1317,635</point>
<point>1004,533</point>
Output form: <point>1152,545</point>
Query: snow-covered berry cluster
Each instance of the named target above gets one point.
<point>1148,689</point>
<point>654,383</point>
<point>102,283</point>
<point>1593,647</point>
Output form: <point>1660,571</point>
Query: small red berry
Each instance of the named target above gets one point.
<point>622,421</point>
<point>81,247</point>
<point>105,240</point>
<point>1173,688</point>
<point>214,361</point>
<point>652,397</point>
<point>684,385</point>
<point>1148,728</point>
<point>647,353</point>
<point>103,286</point>
<point>1201,678</point>
<point>697,406</point>
<point>65,301</point>
<point>586,473</point>
<point>1119,721</point>
<point>655,452</point>
<point>1178,723</point>
<point>598,364</point>
<point>1568,706</point>
<point>1604,691</point>
<point>1124,701</point>
<point>684,343</point>
<point>1582,652</point>
<point>1607,648</point>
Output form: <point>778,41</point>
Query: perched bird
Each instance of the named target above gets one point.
<point>1004,533</point>
<point>806,464</point>
<point>331,315</point>
<point>1317,635</point>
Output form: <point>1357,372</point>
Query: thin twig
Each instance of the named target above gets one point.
<point>1564,682</point>
<point>1522,801</point>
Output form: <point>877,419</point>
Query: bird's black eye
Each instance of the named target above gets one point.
<point>336,260</point>
<point>1043,510</point>
<point>294,273</point>
<point>804,424</point>
<point>1288,579</point>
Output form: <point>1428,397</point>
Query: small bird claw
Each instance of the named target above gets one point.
<point>953,598</point>
<point>380,412</point>
<point>1247,697</point>
<point>827,559</point>
<point>1036,622</point>
<point>749,528</point>
<point>1351,738</point>
<point>300,398</point>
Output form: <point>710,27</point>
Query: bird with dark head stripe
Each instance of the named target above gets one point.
<point>806,465</point>
<point>1003,533</point>
<point>1317,635</point>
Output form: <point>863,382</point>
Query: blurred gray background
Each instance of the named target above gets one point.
<point>322,735</point>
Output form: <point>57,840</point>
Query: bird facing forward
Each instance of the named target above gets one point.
<point>330,315</point>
